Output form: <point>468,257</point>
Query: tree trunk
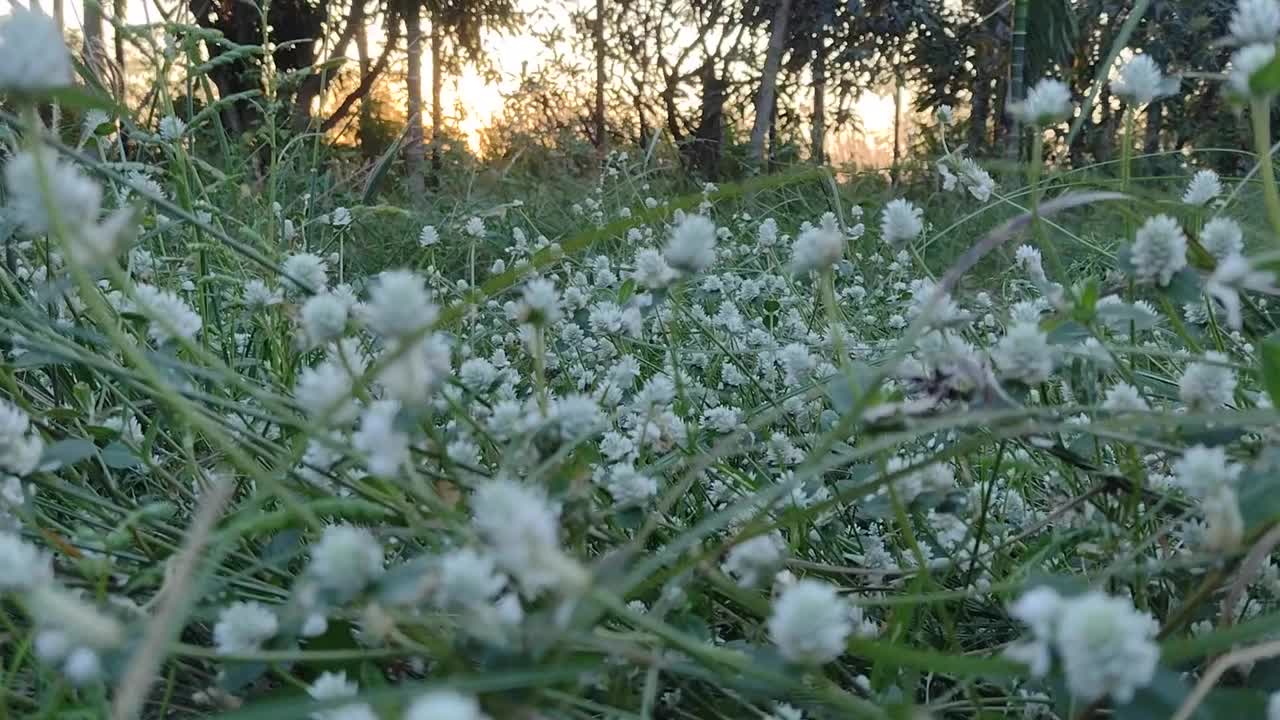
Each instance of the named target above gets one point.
<point>602,143</point>
<point>980,108</point>
<point>414,156</point>
<point>1155,120</point>
<point>437,86</point>
<point>119,13</point>
<point>94,53</point>
<point>769,81</point>
<point>897,126</point>
<point>817,147</point>
<point>1017,73</point>
<point>362,55</point>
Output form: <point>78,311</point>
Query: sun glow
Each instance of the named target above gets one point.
<point>471,101</point>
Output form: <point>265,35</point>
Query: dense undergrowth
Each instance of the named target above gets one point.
<point>289,443</point>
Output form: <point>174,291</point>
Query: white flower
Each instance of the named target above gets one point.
<point>1024,354</point>
<point>386,449</point>
<point>305,272</point>
<point>1106,646</point>
<point>324,318</point>
<point>1205,386</point>
<point>444,705</point>
<point>1201,471</point>
<point>1233,275</point>
<point>755,560</point>
<point>692,247</point>
<point>1222,237</point>
<point>331,686</point>
<point>467,579</point>
<point>324,393</point>
<point>399,304</point>
<point>346,559</point>
<point>171,317</point>
<point>171,128</point>
<point>900,222</point>
<point>73,201</point>
<point>1141,81</point>
<point>576,416</point>
<point>1047,102</point>
<point>945,115</point>
<point>1159,250</point>
<point>416,372</point>
<point>33,56</point>
<point>1245,62</point>
<point>82,666</point>
<point>652,270</point>
<point>22,565</point>
<point>474,227</point>
<point>767,233</point>
<point>1203,187</point>
<point>1032,263</point>
<point>1123,397</point>
<point>810,623</point>
<point>428,236</point>
<point>20,445</point>
<point>257,294</point>
<point>243,627</point>
<point>816,249</point>
<point>1255,21</point>
<point>340,217</point>
<point>522,527</point>
<point>628,487</point>
<point>1038,609</point>
<point>539,303</point>
<point>975,179</point>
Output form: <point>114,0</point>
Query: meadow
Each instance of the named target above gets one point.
<point>279,440</point>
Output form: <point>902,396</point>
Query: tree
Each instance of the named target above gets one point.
<point>601,140</point>
<point>769,80</point>
<point>415,159</point>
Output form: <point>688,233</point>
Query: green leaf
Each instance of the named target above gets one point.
<point>118,456</point>
<point>68,452</point>
<point>626,291</point>
<point>1069,332</point>
<point>1269,358</point>
<point>79,98</point>
<point>1185,286</point>
<point>1266,79</point>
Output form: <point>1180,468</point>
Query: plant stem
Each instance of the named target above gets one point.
<point>1260,110</point>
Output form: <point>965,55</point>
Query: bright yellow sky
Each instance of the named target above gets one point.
<point>482,101</point>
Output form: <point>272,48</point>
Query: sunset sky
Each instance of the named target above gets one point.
<point>484,100</point>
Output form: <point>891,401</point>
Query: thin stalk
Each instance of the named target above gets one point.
<point>1260,109</point>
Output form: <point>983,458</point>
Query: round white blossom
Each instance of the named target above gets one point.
<point>1203,187</point>
<point>1047,102</point>
<point>346,559</point>
<point>1202,471</point>
<point>1024,354</point>
<point>692,247</point>
<point>1207,385</point>
<point>305,272</point>
<point>1222,238</point>
<point>170,316</point>
<point>20,445</point>
<point>1107,647</point>
<point>1141,81</point>
<point>428,236</point>
<point>900,222</point>
<point>755,560</point>
<point>243,626</point>
<point>1255,21</point>
<point>817,248</point>
<point>810,623</point>
<point>324,318</point>
<point>23,566</point>
<point>444,705</point>
<point>1159,250</point>
<point>539,302</point>
<point>1245,62</point>
<point>33,56</point>
<point>399,304</point>
<point>467,579</point>
<point>522,527</point>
